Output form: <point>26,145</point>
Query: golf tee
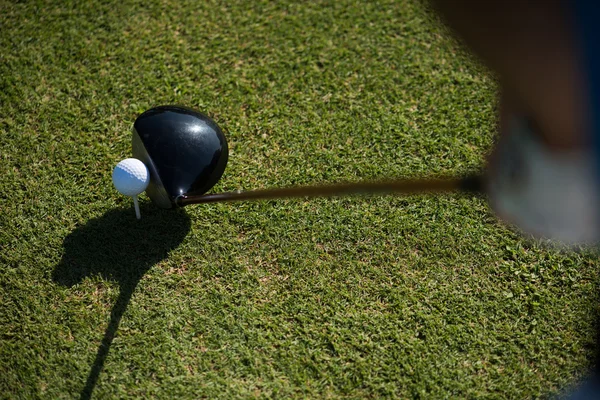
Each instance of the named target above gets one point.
<point>136,205</point>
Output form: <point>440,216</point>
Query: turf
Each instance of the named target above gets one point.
<point>418,297</point>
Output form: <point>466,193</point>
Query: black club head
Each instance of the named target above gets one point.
<point>184,150</point>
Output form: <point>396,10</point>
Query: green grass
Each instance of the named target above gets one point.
<point>419,297</point>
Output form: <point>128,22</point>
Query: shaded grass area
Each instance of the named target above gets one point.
<point>355,297</point>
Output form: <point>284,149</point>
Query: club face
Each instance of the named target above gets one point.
<point>184,150</point>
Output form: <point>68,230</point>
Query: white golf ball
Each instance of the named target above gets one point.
<point>131,177</point>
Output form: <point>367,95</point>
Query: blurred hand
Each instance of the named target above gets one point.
<point>542,174</point>
<point>543,189</point>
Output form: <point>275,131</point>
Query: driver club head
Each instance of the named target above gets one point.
<point>185,151</point>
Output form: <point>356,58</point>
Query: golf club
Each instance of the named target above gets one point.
<point>186,154</point>
<point>471,183</point>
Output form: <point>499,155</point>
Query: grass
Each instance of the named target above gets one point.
<point>419,297</point>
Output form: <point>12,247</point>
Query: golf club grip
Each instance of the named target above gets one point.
<point>471,183</point>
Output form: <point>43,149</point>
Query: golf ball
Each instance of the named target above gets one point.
<point>131,177</point>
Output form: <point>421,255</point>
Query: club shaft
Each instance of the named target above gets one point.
<point>402,186</point>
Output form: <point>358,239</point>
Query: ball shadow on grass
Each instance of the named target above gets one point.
<point>120,248</point>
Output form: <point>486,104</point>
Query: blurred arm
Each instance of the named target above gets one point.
<point>531,45</point>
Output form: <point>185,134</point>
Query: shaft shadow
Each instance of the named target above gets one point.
<point>118,247</point>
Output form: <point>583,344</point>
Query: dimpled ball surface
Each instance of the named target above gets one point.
<point>131,177</point>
